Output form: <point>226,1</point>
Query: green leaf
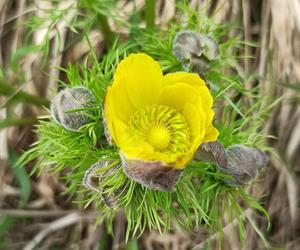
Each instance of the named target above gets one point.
<point>21,176</point>
<point>6,223</point>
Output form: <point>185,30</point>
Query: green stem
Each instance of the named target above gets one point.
<point>17,122</point>
<point>150,13</point>
<point>9,90</point>
<point>109,36</point>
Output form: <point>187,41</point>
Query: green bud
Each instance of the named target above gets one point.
<point>77,98</point>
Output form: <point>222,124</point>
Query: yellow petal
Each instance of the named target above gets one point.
<point>191,79</point>
<point>211,134</point>
<point>108,114</point>
<point>140,78</point>
<point>144,151</point>
<point>184,77</point>
<point>196,119</point>
<point>210,113</point>
<point>120,102</point>
<point>178,95</point>
<point>206,98</point>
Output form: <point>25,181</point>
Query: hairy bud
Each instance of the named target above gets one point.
<point>195,50</point>
<point>95,174</point>
<point>244,163</point>
<point>238,161</point>
<point>70,107</point>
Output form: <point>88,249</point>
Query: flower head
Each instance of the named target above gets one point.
<point>155,117</point>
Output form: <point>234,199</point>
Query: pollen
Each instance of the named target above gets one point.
<point>159,137</point>
<point>163,127</point>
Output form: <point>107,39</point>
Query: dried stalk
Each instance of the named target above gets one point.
<point>56,225</point>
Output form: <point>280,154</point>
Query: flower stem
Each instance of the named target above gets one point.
<point>150,13</point>
<point>8,90</point>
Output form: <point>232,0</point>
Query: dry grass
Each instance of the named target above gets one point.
<point>53,219</point>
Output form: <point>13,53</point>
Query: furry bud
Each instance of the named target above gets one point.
<point>95,174</point>
<point>77,98</point>
<point>195,50</point>
<point>244,163</point>
<point>238,161</point>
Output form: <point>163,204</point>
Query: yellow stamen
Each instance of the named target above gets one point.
<point>163,127</point>
<point>159,137</point>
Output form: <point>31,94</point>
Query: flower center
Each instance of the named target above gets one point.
<point>162,127</point>
<point>159,137</point>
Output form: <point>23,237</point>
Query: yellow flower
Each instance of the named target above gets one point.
<point>156,117</point>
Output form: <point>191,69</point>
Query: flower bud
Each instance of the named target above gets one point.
<point>195,50</point>
<point>95,174</point>
<point>69,99</point>
<point>244,163</point>
<point>238,161</point>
